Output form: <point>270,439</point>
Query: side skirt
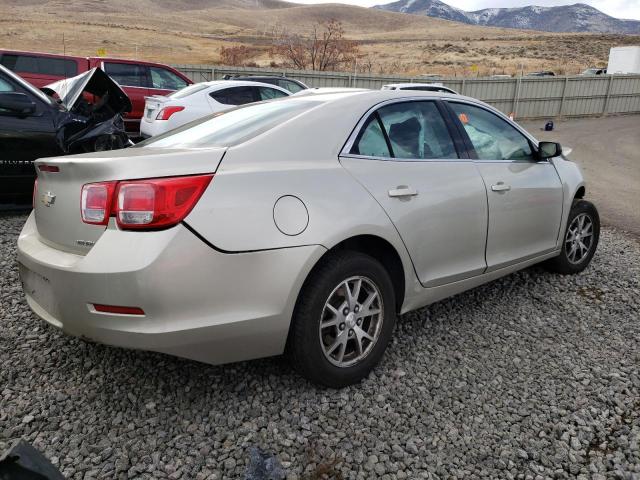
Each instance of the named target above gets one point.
<point>426,296</point>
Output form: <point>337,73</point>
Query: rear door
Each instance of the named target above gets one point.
<point>525,194</point>
<point>412,162</point>
<point>134,80</point>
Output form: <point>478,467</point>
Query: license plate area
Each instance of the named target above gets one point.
<point>150,110</point>
<point>39,288</point>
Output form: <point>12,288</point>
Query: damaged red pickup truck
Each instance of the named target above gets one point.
<point>138,79</point>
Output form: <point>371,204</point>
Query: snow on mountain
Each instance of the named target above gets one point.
<point>566,18</point>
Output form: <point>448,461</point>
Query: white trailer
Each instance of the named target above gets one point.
<point>624,60</point>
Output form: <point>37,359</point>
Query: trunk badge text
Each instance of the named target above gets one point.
<point>48,199</point>
<point>85,243</point>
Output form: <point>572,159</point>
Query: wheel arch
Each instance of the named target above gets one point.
<point>380,249</point>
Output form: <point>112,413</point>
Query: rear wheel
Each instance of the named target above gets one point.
<point>580,239</point>
<point>343,320</point>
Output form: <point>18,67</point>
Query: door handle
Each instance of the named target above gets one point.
<point>403,191</point>
<point>500,187</point>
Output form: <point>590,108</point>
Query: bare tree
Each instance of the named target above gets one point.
<point>325,48</point>
<point>235,56</point>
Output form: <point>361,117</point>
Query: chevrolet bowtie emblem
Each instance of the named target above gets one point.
<point>48,199</point>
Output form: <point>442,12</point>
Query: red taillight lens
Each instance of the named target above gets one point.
<point>35,194</point>
<point>166,112</point>
<point>149,204</point>
<point>158,203</point>
<point>48,168</point>
<point>119,310</point>
<point>95,202</point>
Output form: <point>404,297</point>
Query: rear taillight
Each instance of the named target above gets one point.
<point>95,202</point>
<point>149,204</point>
<point>166,112</point>
<point>158,203</point>
<point>35,194</point>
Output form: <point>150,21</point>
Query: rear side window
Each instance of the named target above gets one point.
<point>411,130</point>
<point>235,95</point>
<point>371,141</point>
<point>59,67</point>
<point>165,80</point>
<point>127,74</point>
<point>293,87</point>
<point>270,93</point>
<point>232,127</point>
<point>5,86</point>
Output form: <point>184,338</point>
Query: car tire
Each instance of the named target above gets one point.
<point>576,254</point>
<point>326,316</point>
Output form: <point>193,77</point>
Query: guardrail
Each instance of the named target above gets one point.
<point>525,97</point>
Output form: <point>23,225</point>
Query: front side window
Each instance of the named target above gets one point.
<point>60,67</point>
<point>413,130</point>
<point>491,136</point>
<point>235,95</point>
<point>127,74</point>
<point>166,80</point>
<point>270,93</point>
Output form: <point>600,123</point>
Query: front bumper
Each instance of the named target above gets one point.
<point>199,303</point>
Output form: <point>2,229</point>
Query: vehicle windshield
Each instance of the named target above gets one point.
<point>233,126</point>
<point>190,90</point>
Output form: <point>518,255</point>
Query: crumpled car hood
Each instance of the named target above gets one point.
<point>95,82</point>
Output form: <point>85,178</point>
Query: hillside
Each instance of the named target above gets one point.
<point>192,31</point>
<point>564,18</point>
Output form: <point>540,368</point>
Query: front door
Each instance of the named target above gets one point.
<point>404,155</point>
<point>524,193</point>
<point>23,139</point>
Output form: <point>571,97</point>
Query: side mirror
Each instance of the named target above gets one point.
<point>17,103</point>
<point>549,150</point>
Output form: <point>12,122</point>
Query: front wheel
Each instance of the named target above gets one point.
<point>580,239</point>
<point>343,320</point>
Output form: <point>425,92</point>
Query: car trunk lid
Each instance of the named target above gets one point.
<point>60,181</point>
<point>153,105</point>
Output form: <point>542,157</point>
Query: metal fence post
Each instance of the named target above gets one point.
<point>462,92</point>
<point>516,97</point>
<point>606,100</point>
<point>564,95</point>
<point>213,73</point>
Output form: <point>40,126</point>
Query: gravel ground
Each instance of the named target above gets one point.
<point>533,376</point>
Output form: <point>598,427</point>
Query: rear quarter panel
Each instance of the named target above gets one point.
<point>298,158</point>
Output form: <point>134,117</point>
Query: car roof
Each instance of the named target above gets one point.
<point>415,84</point>
<point>242,83</point>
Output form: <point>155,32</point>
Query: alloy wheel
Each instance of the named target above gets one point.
<point>579,238</point>
<point>351,321</point>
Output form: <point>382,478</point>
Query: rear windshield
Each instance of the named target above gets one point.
<point>233,126</point>
<point>190,90</point>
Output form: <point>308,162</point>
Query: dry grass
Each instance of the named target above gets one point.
<point>191,31</point>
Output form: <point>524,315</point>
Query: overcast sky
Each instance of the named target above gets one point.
<point>615,8</point>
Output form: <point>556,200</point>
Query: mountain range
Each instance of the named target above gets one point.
<point>565,18</point>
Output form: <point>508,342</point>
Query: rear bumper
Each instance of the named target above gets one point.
<point>153,128</point>
<point>199,303</point>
